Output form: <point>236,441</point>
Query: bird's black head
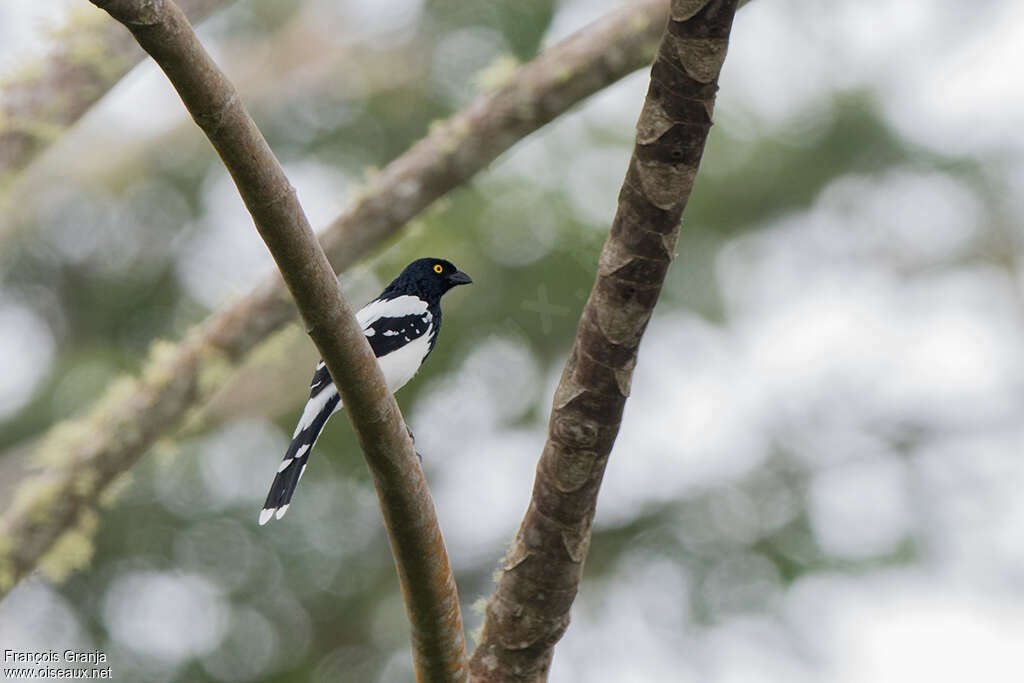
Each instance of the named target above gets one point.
<point>428,277</point>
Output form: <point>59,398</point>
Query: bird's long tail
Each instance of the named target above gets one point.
<point>323,402</point>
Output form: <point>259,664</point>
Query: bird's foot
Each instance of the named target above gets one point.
<point>411,436</point>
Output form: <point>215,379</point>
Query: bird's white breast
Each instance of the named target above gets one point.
<point>400,365</point>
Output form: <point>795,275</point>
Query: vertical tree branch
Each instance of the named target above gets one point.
<point>420,557</point>
<point>530,609</point>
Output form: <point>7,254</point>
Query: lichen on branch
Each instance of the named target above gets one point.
<point>48,95</point>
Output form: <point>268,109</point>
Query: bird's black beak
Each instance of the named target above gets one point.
<point>459,278</point>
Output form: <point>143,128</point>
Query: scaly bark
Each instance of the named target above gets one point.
<point>82,456</point>
<point>529,611</point>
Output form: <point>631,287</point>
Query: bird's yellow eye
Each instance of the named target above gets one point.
<point>438,268</point>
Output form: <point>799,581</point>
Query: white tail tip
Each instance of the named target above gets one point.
<point>266,514</point>
<point>281,510</point>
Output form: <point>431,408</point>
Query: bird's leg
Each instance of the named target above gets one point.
<point>411,436</point>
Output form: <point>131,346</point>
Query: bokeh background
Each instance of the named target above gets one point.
<point>820,473</point>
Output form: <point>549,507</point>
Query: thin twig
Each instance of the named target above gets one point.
<point>529,611</point>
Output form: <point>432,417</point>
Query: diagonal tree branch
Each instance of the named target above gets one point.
<point>421,560</point>
<point>88,58</point>
<point>529,611</point>
<point>54,509</point>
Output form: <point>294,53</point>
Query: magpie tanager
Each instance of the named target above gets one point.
<point>401,325</point>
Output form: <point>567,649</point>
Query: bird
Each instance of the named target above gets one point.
<point>401,326</point>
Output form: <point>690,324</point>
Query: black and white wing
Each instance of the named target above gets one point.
<point>401,331</point>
